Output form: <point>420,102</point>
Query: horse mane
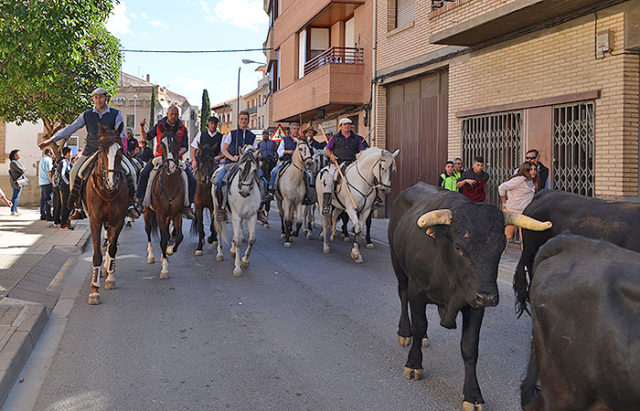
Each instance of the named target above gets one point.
<point>367,152</point>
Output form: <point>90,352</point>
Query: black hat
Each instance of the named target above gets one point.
<point>213,118</point>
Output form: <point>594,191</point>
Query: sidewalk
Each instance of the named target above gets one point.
<point>34,256</point>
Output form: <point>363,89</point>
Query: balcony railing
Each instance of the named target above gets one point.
<point>436,4</point>
<point>334,55</point>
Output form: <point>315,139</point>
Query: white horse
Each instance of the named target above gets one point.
<point>371,170</point>
<point>291,190</point>
<point>243,202</point>
<point>320,161</point>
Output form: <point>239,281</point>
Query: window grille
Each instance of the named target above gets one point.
<point>573,148</point>
<point>496,137</point>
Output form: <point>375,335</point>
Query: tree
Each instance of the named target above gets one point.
<point>152,111</point>
<point>205,110</point>
<point>52,54</point>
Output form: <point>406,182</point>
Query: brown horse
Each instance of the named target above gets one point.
<point>203,199</point>
<point>267,164</point>
<point>106,199</point>
<point>167,202</point>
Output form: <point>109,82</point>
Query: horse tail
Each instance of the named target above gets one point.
<point>196,226</point>
<point>153,223</point>
<point>221,229</point>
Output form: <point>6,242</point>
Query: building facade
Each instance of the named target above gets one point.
<point>320,63</point>
<point>496,78</point>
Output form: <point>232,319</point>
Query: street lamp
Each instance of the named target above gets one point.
<point>244,61</point>
<point>135,112</point>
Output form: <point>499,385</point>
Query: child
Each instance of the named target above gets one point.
<point>448,180</point>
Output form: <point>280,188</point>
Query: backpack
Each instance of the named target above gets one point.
<point>57,173</point>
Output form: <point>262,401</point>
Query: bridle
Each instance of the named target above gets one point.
<point>304,159</point>
<point>245,174</point>
<point>377,181</point>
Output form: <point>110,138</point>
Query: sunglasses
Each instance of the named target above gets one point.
<point>531,158</point>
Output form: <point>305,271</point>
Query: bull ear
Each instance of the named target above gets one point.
<point>395,153</point>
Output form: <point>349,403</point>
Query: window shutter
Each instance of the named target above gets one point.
<point>404,12</point>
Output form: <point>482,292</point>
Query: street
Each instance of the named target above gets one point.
<point>299,330</point>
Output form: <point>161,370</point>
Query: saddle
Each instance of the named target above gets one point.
<point>232,170</point>
<point>157,163</point>
<point>281,170</point>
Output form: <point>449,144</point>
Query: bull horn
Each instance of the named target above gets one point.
<point>521,220</point>
<point>435,217</point>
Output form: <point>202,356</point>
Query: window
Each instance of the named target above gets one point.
<point>404,12</point>
<point>319,40</point>
<point>302,52</point>
<point>130,120</point>
<point>274,74</point>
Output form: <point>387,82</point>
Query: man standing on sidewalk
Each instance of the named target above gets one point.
<point>45,180</point>
<point>473,182</point>
<point>63,188</point>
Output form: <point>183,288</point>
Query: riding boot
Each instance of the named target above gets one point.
<point>132,211</point>
<point>270,196</point>
<point>309,197</point>
<point>326,204</point>
<point>74,200</point>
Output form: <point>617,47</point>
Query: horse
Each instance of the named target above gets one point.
<point>167,202</point>
<point>203,199</point>
<point>138,166</point>
<point>320,161</point>
<point>243,201</point>
<point>291,190</point>
<point>372,170</point>
<point>267,164</point>
<point>105,197</point>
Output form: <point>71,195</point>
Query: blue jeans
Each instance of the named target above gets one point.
<point>220,178</point>
<point>274,173</point>
<point>45,200</point>
<point>143,180</point>
<point>15,198</point>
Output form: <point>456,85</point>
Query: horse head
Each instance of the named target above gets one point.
<point>109,158</point>
<point>169,148</point>
<point>248,170</point>
<point>386,167</point>
<point>206,164</point>
<point>306,154</point>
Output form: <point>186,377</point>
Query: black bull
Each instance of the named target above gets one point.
<point>585,313</point>
<point>454,265</point>
<point>616,222</point>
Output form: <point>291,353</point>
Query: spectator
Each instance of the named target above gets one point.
<point>17,178</point>
<point>63,170</point>
<point>517,192</point>
<point>448,180</point>
<point>457,167</point>
<point>473,182</point>
<point>4,199</point>
<point>130,143</point>
<point>146,154</point>
<point>55,203</point>
<point>533,156</point>
<point>45,179</point>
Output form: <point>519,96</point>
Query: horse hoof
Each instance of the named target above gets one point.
<point>347,239</point>
<point>103,272</point>
<point>232,254</point>
<point>404,341</point>
<point>199,253</point>
<point>369,245</point>
<point>244,265</point>
<point>412,374</point>
<point>468,406</point>
<point>151,260</point>
<point>354,255</point>
<point>215,243</point>
<point>359,260</point>
<point>237,272</point>
<point>326,249</point>
<point>170,250</point>
<point>425,342</point>
<point>94,299</point>
<point>332,238</point>
<point>266,225</point>
<point>283,236</point>
<point>210,240</point>
<point>164,275</point>
<point>219,257</point>
<point>309,236</point>
<point>110,285</point>
<point>287,245</point>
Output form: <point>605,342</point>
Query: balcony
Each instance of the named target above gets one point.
<point>330,86</point>
<point>459,24</point>
<point>334,55</point>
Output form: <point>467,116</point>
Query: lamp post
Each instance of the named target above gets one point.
<point>135,112</point>
<point>244,61</point>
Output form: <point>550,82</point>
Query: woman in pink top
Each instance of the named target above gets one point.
<point>517,192</point>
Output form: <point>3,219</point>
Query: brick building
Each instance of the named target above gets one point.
<point>497,77</point>
<point>320,64</point>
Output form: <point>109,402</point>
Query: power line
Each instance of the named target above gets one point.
<point>193,51</point>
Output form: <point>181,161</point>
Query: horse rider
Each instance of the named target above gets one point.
<point>108,117</point>
<point>146,154</point>
<point>342,147</point>
<point>209,141</point>
<point>308,133</point>
<point>169,121</point>
<point>285,153</point>
<point>268,148</point>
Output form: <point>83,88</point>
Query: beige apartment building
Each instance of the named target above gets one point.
<point>498,77</point>
<point>320,62</point>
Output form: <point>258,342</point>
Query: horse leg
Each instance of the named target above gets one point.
<point>282,226</point>
<point>288,224</point>
<point>164,241</point>
<point>344,232</point>
<point>334,219</point>
<point>96,231</point>
<point>357,228</point>
<point>235,244</point>
<point>325,233</point>
<point>200,227</point>
<point>106,243</point>
<point>177,228</point>
<point>213,238</point>
<point>148,228</point>
<point>251,228</point>
<point>299,219</point>
<point>368,236</point>
<point>114,233</point>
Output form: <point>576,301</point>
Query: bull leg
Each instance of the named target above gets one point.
<point>529,392</point>
<point>404,325</point>
<point>413,367</point>
<point>164,242</point>
<point>251,228</point>
<point>471,322</point>
<point>368,224</point>
<point>96,231</point>
<point>236,243</point>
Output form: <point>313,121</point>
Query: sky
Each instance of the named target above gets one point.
<point>192,25</point>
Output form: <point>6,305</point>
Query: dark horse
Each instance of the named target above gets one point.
<point>266,165</point>
<point>167,202</point>
<point>106,199</point>
<point>203,199</point>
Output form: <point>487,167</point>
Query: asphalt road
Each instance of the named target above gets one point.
<point>299,330</point>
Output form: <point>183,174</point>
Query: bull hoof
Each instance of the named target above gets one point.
<point>237,272</point>
<point>110,285</point>
<point>412,374</point>
<point>164,275</point>
<point>287,244</point>
<point>94,299</point>
<point>283,236</point>
<point>404,341</point>
<point>326,249</point>
<point>198,253</point>
<point>369,245</point>
<point>219,257</point>
<point>347,239</point>
<point>425,342</point>
<point>151,260</point>
<point>468,406</point>
<point>170,250</point>
<point>232,254</point>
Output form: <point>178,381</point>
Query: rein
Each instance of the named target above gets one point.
<point>373,187</point>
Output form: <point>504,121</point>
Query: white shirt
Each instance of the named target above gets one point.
<point>281,146</point>
<point>196,141</point>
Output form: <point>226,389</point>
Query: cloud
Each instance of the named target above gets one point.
<point>189,87</point>
<point>247,14</point>
<point>118,23</point>
<point>158,24</point>
<point>144,15</point>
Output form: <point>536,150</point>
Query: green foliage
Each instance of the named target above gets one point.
<point>205,110</point>
<point>152,113</point>
<point>53,53</point>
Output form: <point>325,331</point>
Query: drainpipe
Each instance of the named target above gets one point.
<point>372,112</point>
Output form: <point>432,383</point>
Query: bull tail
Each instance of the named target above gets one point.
<point>521,290</point>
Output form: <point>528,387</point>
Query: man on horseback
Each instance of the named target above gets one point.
<point>313,143</point>
<point>268,148</point>
<point>343,147</point>
<point>170,121</point>
<point>209,142</point>
<point>131,143</point>
<point>108,117</point>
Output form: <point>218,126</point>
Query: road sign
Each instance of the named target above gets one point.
<point>279,134</point>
